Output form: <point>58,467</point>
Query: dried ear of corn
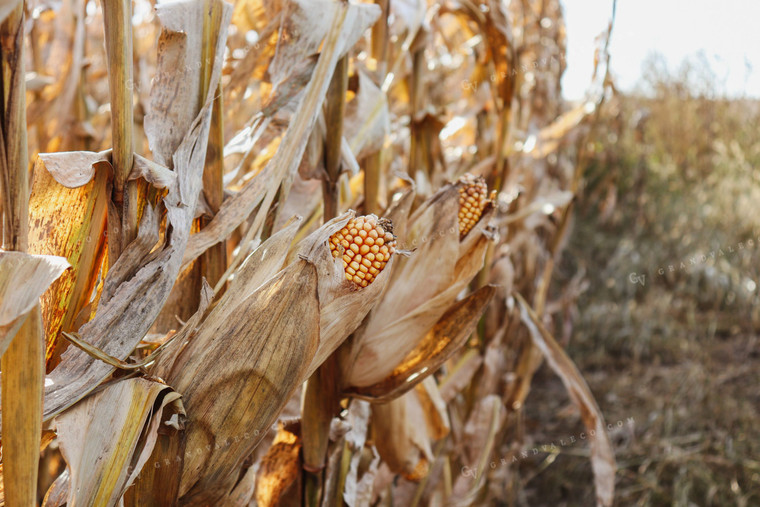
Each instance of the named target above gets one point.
<point>420,292</point>
<point>344,303</point>
<point>238,372</point>
<point>255,346</point>
<point>365,245</point>
<point>473,199</point>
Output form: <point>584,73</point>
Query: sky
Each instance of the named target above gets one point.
<point>728,32</point>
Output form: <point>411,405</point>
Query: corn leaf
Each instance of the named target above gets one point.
<point>107,438</point>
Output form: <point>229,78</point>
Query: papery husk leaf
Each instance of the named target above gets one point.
<point>343,305</point>
<point>124,319</point>
<point>377,353</point>
<point>69,222</point>
<point>245,490</point>
<point>432,233</point>
<point>107,438</point>
<point>307,24</point>
<point>602,454</point>
<point>460,375</point>
<point>439,344</point>
<point>484,423</point>
<point>23,279</point>
<point>279,478</point>
<point>401,437</point>
<point>6,7</point>
<point>73,169</point>
<point>239,371</point>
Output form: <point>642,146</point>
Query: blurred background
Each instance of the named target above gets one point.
<point>665,253</point>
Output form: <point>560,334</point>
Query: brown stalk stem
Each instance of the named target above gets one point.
<point>214,260</point>
<point>117,18</point>
<point>334,111</point>
<point>23,364</point>
<point>322,396</point>
<point>418,158</point>
<point>374,164</point>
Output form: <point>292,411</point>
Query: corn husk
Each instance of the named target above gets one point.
<point>420,293</point>
<point>278,482</point>
<point>252,366</point>
<point>403,443</point>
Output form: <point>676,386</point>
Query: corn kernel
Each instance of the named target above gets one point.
<point>364,245</point>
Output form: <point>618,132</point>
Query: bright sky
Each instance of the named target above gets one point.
<point>728,32</point>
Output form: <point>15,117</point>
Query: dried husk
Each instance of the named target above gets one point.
<point>401,437</point>
<point>421,289</point>
<point>255,347</point>
<point>279,479</point>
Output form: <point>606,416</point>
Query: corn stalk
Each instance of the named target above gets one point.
<point>322,394</point>
<point>22,364</point>
<point>117,19</point>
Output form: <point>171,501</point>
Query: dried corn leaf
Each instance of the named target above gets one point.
<point>68,221</point>
<point>23,279</point>
<point>73,169</point>
<point>460,375</point>
<point>107,438</point>
<point>58,492</point>
<point>6,7</point>
<point>124,319</point>
<point>367,120</point>
<point>440,343</point>
<point>348,22</point>
<point>434,408</point>
<point>485,420</point>
<point>602,455</point>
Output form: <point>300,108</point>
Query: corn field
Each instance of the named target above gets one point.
<point>284,252</point>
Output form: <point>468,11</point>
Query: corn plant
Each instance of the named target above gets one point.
<point>281,252</point>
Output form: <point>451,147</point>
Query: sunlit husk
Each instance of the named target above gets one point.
<point>254,348</point>
<point>423,287</point>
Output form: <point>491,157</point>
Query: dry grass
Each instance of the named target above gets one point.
<point>676,352</point>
